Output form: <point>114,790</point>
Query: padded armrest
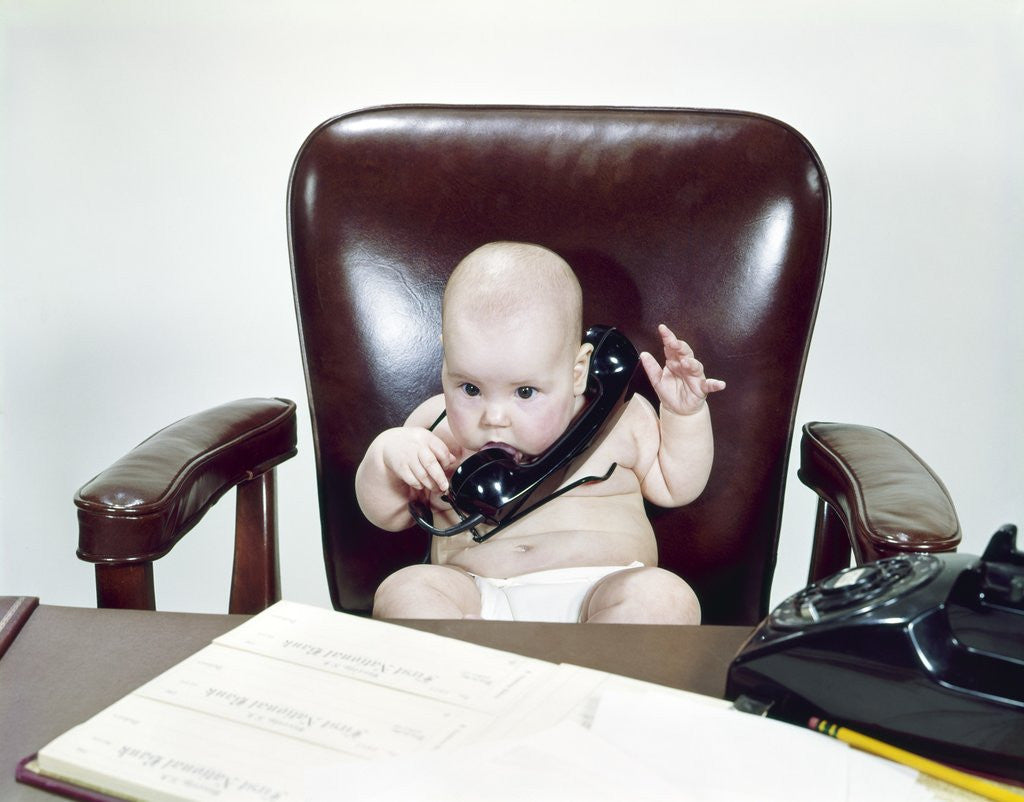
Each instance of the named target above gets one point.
<point>139,507</point>
<point>888,499</point>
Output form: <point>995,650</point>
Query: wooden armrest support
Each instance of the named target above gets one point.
<point>877,492</point>
<point>136,510</point>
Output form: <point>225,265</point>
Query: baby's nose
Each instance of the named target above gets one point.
<point>495,414</point>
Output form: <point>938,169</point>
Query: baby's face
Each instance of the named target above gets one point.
<point>511,386</point>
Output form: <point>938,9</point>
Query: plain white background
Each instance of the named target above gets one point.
<point>144,154</point>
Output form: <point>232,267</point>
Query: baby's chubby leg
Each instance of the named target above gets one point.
<point>641,596</point>
<point>427,591</point>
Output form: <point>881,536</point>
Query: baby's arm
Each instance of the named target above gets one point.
<point>686,446</point>
<point>403,463</point>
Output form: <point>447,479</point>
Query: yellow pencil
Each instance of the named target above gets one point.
<point>960,779</point>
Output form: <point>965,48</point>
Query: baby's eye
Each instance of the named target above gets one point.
<point>470,389</point>
<point>525,392</point>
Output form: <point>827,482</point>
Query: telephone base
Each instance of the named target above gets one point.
<point>925,652</point>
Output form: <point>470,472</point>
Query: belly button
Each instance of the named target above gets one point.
<point>522,547</point>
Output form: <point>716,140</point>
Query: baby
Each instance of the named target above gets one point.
<point>513,375</point>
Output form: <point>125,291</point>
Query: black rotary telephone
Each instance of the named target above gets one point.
<point>924,651</point>
<point>490,487</point>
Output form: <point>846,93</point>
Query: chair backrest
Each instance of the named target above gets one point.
<point>714,222</point>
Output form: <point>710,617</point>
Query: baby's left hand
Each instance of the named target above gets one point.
<point>681,384</point>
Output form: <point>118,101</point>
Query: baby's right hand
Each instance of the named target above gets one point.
<point>418,457</point>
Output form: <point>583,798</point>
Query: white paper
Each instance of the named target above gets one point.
<point>565,763</point>
<point>389,655</point>
<point>154,751</point>
<point>719,753</point>
<point>357,718</point>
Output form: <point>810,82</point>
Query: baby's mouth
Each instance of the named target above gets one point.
<point>516,456</point>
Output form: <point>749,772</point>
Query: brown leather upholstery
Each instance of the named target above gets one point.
<point>138,508</point>
<point>874,495</point>
<point>715,223</point>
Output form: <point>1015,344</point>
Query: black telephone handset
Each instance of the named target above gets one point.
<point>924,651</point>
<point>490,487</point>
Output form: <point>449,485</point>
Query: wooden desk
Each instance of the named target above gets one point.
<point>68,663</point>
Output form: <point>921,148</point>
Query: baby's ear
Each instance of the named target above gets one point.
<point>581,369</point>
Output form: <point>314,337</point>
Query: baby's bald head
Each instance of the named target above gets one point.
<point>515,281</point>
<point>514,370</point>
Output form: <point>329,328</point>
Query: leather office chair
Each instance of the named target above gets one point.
<point>714,222</point>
